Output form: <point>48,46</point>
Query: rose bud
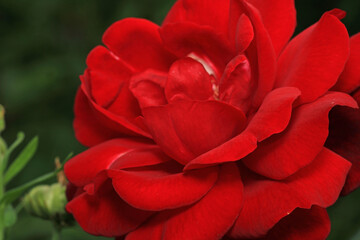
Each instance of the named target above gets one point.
<point>47,202</point>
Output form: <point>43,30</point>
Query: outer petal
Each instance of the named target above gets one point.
<point>279,18</point>
<point>187,129</point>
<point>81,169</point>
<point>159,187</point>
<point>274,114</point>
<point>282,155</point>
<point>208,219</point>
<point>88,130</point>
<point>105,84</point>
<point>104,213</point>
<point>230,151</point>
<point>267,201</point>
<point>302,224</point>
<point>137,42</point>
<point>93,124</point>
<point>344,139</point>
<point>349,80</point>
<point>212,13</point>
<point>314,59</point>
<point>188,80</point>
<point>148,88</point>
<point>107,76</point>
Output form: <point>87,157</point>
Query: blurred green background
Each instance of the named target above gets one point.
<point>44,44</point>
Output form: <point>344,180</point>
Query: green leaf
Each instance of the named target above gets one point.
<point>10,216</point>
<point>18,141</point>
<point>20,162</point>
<point>15,193</point>
<point>356,236</point>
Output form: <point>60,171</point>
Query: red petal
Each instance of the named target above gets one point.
<point>212,13</point>
<point>208,219</point>
<point>267,201</point>
<point>283,154</point>
<point>340,14</point>
<point>105,213</point>
<point>159,188</point>
<point>148,88</point>
<point>302,224</point>
<point>230,151</point>
<point>235,85</point>
<point>94,124</point>
<point>344,139</point>
<point>274,114</point>
<point>244,33</point>
<point>107,76</point>
<point>279,18</point>
<point>188,80</point>
<point>137,42</point>
<point>72,191</point>
<point>240,30</point>
<point>125,105</point>
<point>187,129</point>
<point>185,38</point>
<point>315,58</point>
<point>260,53</point>
<point>349,80</point>
<point>88,130</point>
<point>272,117</point>
<point>81,169</point>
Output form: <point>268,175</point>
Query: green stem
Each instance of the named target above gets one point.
<point>3,151</point>
<point>2,224</point>
<point>55,233</point>
<point>2,189</point>
<point>2,210</point>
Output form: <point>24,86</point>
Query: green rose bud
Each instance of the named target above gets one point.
<point>48,202</point>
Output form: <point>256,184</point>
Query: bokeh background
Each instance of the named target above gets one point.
<point>43,47</point>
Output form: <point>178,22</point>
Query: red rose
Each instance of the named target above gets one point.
<point>213,125</point>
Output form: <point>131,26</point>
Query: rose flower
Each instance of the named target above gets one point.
<point>213,126</point>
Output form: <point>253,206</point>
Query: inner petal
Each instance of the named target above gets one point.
<point>187,129</point>
<point>211,70</point>
<point>236,87</point>
<point>189,80</point>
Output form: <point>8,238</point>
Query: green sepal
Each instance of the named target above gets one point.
<point>10,216</point>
